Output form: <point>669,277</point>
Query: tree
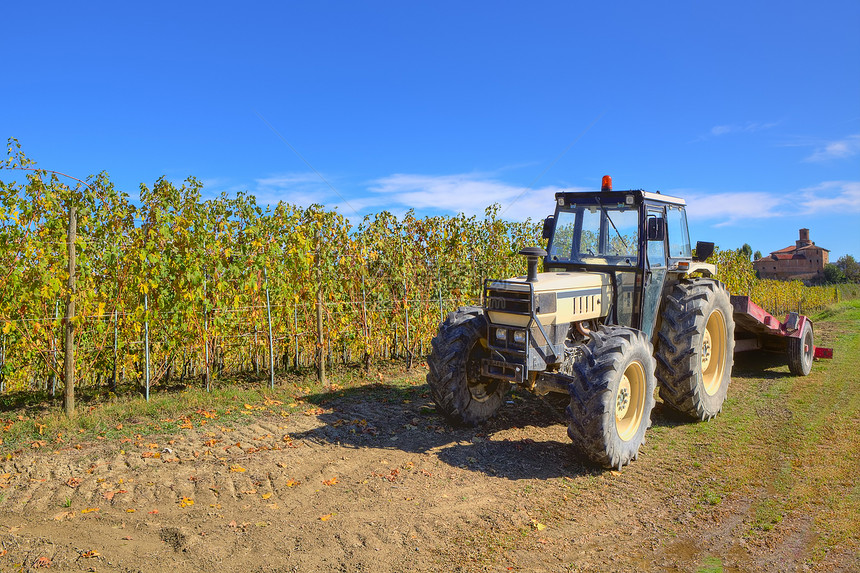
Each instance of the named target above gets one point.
<point>747,250</point>
<point>849,267</point>
<point>757,255</point>
<point>833,274</point>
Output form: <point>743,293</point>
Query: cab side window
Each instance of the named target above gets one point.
<point>679,236</point>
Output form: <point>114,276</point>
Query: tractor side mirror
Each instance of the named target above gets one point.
<point>703,250</point>
<point>656,228</point>
<point>547,227</point>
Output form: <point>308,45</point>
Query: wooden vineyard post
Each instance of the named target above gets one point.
<point>69,344</point>
<point>441,311</point>
<point>53,378</point>
<point>2,363</point>
<point>320,345</point>
<point>206,335</point>
<point>255,358</point>
<point>406,310</point>
<point>365,326</point>
<point>271,341</point>
<point>296,335</point>
<point>320,341</point>
<point>146,339</point>
<point>113,374</point>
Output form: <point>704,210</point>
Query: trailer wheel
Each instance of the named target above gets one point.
<point>612,398</point>
<point>461,393</point>
<point>695,348</point>
<point>801,351</point>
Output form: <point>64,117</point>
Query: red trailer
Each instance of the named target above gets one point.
<point>757,329</point>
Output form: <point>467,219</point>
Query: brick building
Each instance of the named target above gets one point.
<point>804,261</point>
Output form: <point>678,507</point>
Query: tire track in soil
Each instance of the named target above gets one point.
<point>411,494</point>
<point>237,492</point>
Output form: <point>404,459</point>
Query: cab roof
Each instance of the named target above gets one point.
<point>567,197</point>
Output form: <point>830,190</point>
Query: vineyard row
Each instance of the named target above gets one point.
<point>182,279</point>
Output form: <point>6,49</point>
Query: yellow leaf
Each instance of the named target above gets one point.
<point>237,469</point>
<point>89,510</point>
<point>266,495</point>
<point>325,517</point>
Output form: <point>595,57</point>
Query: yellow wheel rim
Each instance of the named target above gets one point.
<point>713,352</point>
<point>630,401</point>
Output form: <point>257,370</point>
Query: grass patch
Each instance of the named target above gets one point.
<point>711,565</point>
<point>34,420</point>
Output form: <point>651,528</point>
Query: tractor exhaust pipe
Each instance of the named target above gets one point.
<point>534,254</point>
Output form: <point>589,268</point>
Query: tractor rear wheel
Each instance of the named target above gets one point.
<point>695,348</point>
<point>612,398</point>
<point>462,394</point>
<point>801,351</point>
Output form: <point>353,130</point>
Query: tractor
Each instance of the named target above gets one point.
<point>622,307</point>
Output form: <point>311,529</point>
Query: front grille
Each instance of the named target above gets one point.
<point>502,297</point>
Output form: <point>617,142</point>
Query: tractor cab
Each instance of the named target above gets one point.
<point>636,237</point>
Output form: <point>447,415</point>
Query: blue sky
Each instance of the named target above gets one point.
<point>749,110</point>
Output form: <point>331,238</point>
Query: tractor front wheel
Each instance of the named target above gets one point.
<point>462,394</point>
<point>612,397</point>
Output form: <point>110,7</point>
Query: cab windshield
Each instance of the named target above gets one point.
<point>596,234</point>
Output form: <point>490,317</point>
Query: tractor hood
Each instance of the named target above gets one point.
<point>559,298</point>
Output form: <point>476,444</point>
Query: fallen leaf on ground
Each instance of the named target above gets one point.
<point>237,469</point>
<point>266,495</point>
<point>325,517</point>
<point>89,510</point>
<point>331,481</point>
<point>186,502</point>
<point>90,554</point>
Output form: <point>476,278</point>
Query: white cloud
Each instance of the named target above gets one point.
<point>472,193</point>
<point>832,197</point>
<point>839,149</point>
<point>731,207</point>
<point>464,193</point>
<point>749,127</point>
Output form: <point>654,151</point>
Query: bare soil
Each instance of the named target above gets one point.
<point>375,480</point>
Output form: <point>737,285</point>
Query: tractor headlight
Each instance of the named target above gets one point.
<point>501,334</point>
<point>520,336</point>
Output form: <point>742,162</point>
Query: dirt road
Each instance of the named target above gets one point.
<point>374,480</point>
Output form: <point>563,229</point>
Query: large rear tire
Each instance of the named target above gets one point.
<point>695,348</point>
<point>801,351</point>
<point>612,398</point>
<point>461,393</point>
